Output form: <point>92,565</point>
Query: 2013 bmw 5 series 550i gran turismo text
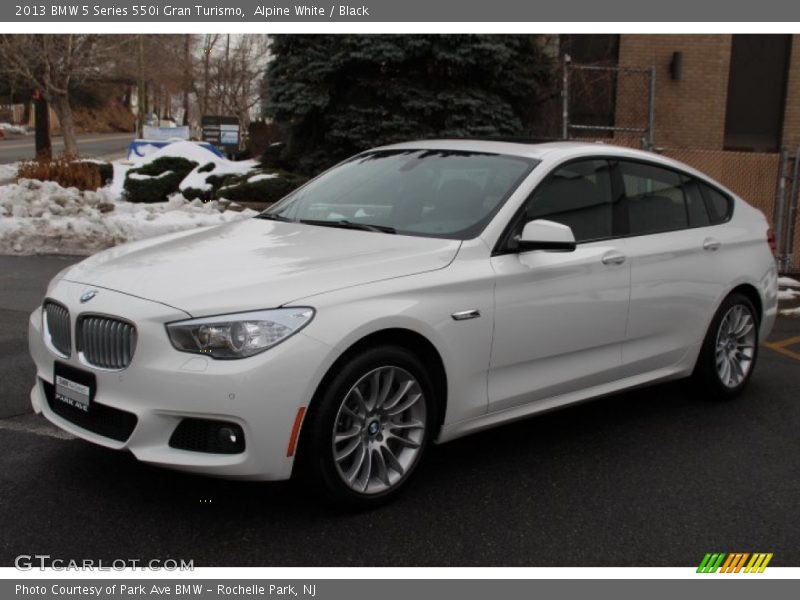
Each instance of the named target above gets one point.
<point>414,293</point>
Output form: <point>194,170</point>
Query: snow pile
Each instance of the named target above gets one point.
<point>42,217</point>
<point>183,149</point>
<point>790,293</point>
<point>8,171</point>
<point>18,129</point>
<point>261,177</point>
<point>197,179</point>
<point>788,282</point>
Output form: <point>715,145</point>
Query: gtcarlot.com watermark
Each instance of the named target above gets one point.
<point>42,562</point>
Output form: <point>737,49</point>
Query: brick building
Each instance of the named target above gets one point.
<point>716,92</point>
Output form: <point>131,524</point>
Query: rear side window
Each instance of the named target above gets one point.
<point>578,195</point>
<point>719,205</point>
<point>654,198</point>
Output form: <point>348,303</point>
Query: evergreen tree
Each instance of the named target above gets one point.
<point>339,94</point>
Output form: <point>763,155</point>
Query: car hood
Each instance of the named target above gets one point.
<point>256,263</point>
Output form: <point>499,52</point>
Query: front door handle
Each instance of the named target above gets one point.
<point>613,258</point>
<point>711,244</point>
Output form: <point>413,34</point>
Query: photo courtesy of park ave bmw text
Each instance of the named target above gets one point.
<point>458,298</point>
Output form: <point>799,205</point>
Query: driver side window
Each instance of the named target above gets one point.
<point>577,194</point>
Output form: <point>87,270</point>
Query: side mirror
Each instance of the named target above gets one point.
<point>541,234</point>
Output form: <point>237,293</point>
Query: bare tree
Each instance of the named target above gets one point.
<point>56,65</point>
<point>208,48</point>
<point>232,76</point>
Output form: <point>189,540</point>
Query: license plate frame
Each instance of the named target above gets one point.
<point>73,387</point>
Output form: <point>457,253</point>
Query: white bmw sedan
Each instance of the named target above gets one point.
<point>414,293</point>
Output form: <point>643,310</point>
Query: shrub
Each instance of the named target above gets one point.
<point>68,173</point>
<point>238,189</point>
<point>161,179</point>
<point>271,157</point>
<point>106,172</point>
<point>194,193</point>
<point>260,135</point>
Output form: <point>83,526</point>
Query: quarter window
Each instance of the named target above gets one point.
<point>578,195</point>
<point>719,205</point>
<point>654,198</point>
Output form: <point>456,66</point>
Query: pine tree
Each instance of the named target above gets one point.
<point>339,94</point>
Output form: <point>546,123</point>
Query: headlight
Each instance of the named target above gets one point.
<point>238,335</point>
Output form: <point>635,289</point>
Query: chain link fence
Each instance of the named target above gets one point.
<point>610,103</point>
<point>786,224</point>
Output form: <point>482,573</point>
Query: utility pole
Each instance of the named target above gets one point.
<point>41,112</point>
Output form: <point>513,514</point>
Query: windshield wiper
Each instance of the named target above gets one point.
<point>273,217</point>
<point>345,224</point>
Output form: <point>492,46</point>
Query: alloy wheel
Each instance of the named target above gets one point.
<point>379,430</point>
<point>735,345</point>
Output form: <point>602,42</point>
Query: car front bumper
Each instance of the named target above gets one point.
<point>162,386</point>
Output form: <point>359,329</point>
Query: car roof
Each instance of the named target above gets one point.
<point>552,151</point>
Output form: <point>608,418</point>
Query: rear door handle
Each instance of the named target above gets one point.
<point>711,244</point>
<point>613,258</point>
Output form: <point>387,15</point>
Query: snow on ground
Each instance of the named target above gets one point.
<point>791,312</point>
<point>788,282</point>
<point>42,217</point>
<point>788,294</point>
<point>8,171</point>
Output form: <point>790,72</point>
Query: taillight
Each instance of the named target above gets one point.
<point>771,241</point>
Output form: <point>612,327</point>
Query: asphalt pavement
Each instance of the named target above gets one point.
<point>13,149</point>
<point>653,477</point>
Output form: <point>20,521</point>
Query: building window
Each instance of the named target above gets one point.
<point>756,92</point>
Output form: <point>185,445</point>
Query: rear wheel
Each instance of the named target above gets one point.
<point>730,349</point>
<point>367,431</point>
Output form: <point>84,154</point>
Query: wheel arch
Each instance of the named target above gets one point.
<point>408,339</point>
<point>751,293</point>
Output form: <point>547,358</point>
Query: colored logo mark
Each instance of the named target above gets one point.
<point>736,562</point>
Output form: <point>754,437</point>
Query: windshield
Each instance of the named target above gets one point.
<point>434,193</point>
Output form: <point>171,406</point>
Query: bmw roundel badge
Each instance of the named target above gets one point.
<point>86,296</point>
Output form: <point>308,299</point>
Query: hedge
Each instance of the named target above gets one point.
<point>164,175</point>
<point>238,189</point>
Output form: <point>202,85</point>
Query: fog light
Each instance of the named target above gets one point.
<point>207,435</point>
<point>226,435</point>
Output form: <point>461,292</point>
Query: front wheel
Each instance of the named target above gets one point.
<point>730,349</point>
<point>369,427</point>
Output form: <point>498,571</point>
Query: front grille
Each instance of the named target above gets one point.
<point>105,342</point>
<point>101,419</point>
<point>57,321</point>
<point>206,435</point>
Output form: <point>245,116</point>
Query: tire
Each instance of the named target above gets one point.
<point>368,428</point>
<point>730,349</point>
